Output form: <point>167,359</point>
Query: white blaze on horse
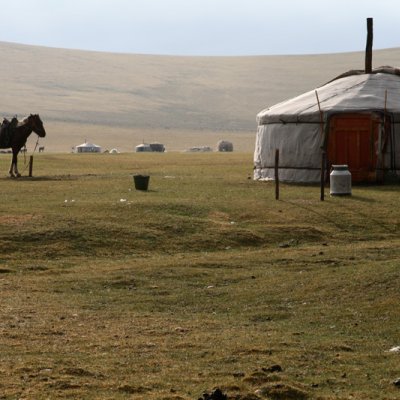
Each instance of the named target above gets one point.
<point>14,134</point>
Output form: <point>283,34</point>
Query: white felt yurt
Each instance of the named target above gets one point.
<point>152,147</point>
<point>88,148</point>
<point>354,119</point>
<point>143,148</point>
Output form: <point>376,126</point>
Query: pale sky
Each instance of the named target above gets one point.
<point>201,27</point>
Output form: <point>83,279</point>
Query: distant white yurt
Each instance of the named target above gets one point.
<point>354,120</point>
<point>114,151</point>
<point>152,147</point>
<point>87,148</point>
<point>142,148</point>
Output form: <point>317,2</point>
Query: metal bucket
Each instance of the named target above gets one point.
<point>340,181</point>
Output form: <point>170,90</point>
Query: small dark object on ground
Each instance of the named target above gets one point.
<point>273,368</point>
<point>396,382</point>
<point>141,182</point>
<point>215,395</point>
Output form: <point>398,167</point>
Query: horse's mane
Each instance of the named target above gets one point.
<point>25,120</point>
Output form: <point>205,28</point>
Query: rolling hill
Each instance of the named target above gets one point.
<point>120,100</point>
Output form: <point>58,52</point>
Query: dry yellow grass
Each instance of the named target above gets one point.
<point>118,100</point>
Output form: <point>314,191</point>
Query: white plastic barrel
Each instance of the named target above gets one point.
<point>340,180</point>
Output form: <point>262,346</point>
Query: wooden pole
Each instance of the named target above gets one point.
<point>368,49</point>
<point>323,161</point>
<point>30,166</point>
<point>382,144</point>
<point>277,174</point>
<point>323,155</point>
<point>321,120</point>
<point>321,115</point>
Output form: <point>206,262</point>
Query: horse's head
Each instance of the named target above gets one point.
<point>37,125</point>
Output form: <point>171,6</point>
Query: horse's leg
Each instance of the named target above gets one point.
<point>13,167</point>
<point>11,171</point>
<point>17,174</point>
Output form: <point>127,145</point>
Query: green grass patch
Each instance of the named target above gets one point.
<point>204,280</point>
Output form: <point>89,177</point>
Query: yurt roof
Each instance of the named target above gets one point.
<point>88,145</point>
<point>350,92</point>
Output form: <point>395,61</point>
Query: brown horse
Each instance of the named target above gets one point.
<point>14,134</point>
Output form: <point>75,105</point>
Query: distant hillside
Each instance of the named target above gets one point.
<point>120,99</point>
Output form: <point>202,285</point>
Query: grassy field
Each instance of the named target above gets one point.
<point>203,281</point>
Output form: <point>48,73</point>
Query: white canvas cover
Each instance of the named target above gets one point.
<point>294,126</point>
<point>88,148</point>
<point>143,148</point>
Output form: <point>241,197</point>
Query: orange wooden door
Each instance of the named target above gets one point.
<point>353,140</point>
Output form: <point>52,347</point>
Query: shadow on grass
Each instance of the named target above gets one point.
<point>45,178</point>
<point>358,198</point>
